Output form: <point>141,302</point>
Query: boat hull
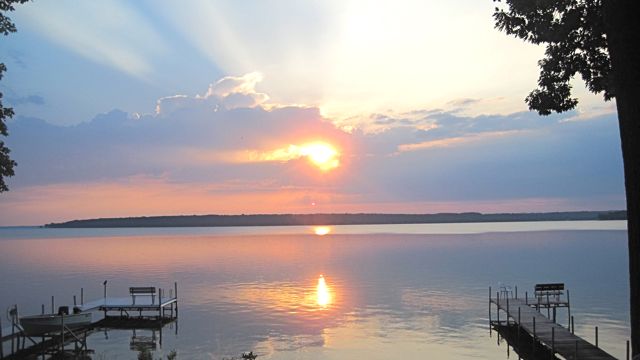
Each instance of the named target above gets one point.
<point>52,323</point>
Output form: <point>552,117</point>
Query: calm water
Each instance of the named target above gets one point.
<point>392,291</point>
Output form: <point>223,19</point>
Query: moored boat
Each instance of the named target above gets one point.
<point>52,323</point>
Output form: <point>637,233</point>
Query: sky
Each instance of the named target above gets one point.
<point>160,108</point>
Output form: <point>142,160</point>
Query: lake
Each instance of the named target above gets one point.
<point>335,292</point>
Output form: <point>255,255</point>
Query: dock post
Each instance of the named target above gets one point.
<point>175,288</point>
<point>74,300</point>
<point>507,311</point>
<point>627,349</point>
<point>52,305</point>
<point>553,342</point>
<point>516,291</point>
<point>498,306</point>
<point>62,334</point>
<point>519,322</point>
<point>12,334</point>
<point>160,309</point>
<point>596,336</point>
<point>573,326</point>
<point>81,296</point>
<point>489,309</point>
<point>533,339</point>
<point>42,309</point>
<point>568,305</point>
<point>2,347</point>
<point>526,297</point>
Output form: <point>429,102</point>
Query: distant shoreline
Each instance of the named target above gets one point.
<point>332,219</point>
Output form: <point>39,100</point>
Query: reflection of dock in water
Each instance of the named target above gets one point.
<point>147,309</point>
<point>535,336</point>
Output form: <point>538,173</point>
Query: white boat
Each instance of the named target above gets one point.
<point>52,323</point>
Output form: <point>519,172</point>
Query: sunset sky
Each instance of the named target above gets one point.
<point>160,108</point>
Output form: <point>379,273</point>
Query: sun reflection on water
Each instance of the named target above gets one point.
<point>323,295</point>
<point>321,230</point>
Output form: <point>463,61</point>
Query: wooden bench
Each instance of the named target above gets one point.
<point>549,290</point>
<point>143,291</point>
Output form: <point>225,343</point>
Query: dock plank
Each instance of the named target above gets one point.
<point>126,303</point>
<point>564,342</point>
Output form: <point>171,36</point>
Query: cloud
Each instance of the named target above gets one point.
<point>230,92</point>
<point>205,136</point>
<point>210,154</point>
<point>228,85</point>
<point>30,99</point>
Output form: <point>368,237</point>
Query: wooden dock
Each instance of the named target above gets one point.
<point>143,309</point>
<point>522,314</point>
<point>125,306</point>
<point>141,299</point>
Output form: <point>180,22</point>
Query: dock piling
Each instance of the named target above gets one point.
<point>489,310</point>
<point>573,326</point>
<point>553,342</point>
<point>498,307</point>
<point>533,338</point>
<point>53,304</point>
<point>62,334</point>
<point>2,347</point>
<point>81,296</point>
<point>627,349</point>
<point>549,309</point>
<point>568,305</point>
<point>597,336</point>
<point>508,312</point>
<point>519,322</point>
<point>175,287</point>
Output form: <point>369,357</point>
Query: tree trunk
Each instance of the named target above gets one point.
<point>623,36</point>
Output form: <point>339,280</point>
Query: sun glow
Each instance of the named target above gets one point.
<point>323,296</point>
<point>321,230</point>
<point>321,154</point>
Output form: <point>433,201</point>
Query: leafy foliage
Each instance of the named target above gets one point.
<point>576,44</point>
<point>6,164</point>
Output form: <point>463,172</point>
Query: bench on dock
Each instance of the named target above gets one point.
<point>554,290</point>
<point>143,291</point>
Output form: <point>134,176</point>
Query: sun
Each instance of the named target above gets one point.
<point>321,154</point>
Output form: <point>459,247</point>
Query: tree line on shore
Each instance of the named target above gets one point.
<point>333,219</point>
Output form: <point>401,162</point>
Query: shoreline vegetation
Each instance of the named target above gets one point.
<point>333,219</point>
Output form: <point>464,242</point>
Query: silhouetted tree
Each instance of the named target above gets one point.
<point>597,39</point>
<point>6,27</point>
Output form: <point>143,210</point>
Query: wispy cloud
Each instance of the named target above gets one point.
<point>29,99</point>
